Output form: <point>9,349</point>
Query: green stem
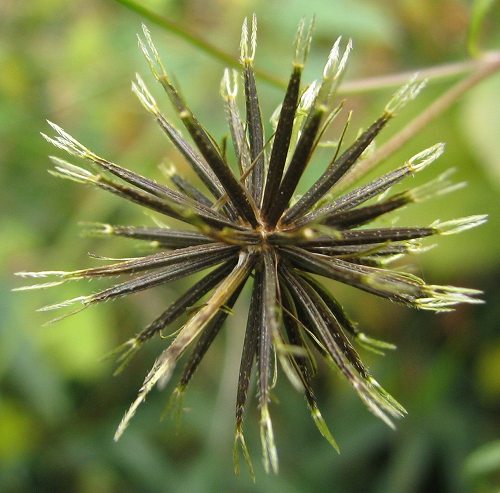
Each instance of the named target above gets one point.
<point>437,73</point>
<point>196,40</point>
<point>486,67</point>
<point>433,74</point>
<point>479,12</point>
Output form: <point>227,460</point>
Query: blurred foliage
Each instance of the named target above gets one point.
<point>480,9</point>
<point>71,62</point>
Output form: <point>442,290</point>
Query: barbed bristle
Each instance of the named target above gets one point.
<point>405,94</point>
<point>424,158</point>
<point>229,84</point>
<point>458,225</point>
<point>248,42</point>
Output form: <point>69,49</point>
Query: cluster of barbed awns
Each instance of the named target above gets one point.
<point>248,226</point>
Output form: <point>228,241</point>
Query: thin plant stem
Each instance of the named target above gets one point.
<point>487,67</point>
<point>437,73</point>
<point>196,40</point>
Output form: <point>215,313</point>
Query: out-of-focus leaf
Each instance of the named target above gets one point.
<point>360,20</point>
<point>479,10</point>
<point>145,464</point>
<point>41,388</point>
<point>488,371</point>
<point>77,344</point>
<point>18,431</point>
<point>481,121</point>
<point>483,461</point>
<point>407,465</point>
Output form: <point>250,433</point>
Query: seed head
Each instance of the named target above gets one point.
<point>250,227</point>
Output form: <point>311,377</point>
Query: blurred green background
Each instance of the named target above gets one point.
<point>72,62</point>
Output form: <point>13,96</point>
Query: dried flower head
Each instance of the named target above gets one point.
<point>248,225</point>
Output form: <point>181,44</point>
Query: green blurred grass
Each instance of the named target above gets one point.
<point>72,62</point>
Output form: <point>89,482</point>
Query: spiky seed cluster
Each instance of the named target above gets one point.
<point>243,226</point>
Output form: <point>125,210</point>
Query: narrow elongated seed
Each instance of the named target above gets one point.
<point>334,173</point>
<point>356,217</point>
<point>255,133</point>
<point>186,300</point>
<point>206,338</point>
<point>249,348</point>
<point>297,166</point>
<point>282,139</point>
<point>156,278</point>
<point>168,238</point>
